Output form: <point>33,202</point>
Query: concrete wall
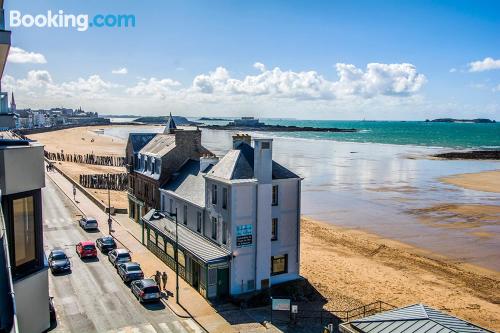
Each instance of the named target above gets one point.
<point>32,302</point>
<point>22,169</point>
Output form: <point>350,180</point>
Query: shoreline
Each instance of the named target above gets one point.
<point>486,181</point>
<point>358,267</point>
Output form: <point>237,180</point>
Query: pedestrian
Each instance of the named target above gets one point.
<point>164,278</point>
<point>158,278</point>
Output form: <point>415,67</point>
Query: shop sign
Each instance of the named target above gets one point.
<point>244,235</point>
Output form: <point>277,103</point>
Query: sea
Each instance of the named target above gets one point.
<point>381,180</point>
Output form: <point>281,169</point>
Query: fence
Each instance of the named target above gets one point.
<point>86,158</point>
<point>113,181</point>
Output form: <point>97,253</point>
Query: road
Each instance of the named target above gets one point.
<point>93,298</point>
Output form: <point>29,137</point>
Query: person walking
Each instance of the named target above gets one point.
<point>164,278</point>
<point>158,278</point>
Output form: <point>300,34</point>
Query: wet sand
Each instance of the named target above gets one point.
<point>352,268</point>
<point>488,181</point>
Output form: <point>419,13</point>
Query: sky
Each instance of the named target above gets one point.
<point>380,60</point>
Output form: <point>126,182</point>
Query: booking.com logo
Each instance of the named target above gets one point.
<point>80,22</point>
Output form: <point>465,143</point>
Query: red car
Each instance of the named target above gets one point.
<point>86,249</point>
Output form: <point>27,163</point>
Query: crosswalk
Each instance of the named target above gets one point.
<point>174,326</point>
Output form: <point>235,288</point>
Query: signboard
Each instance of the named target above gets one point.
<point>280,304</point>
<point>244,235</point>
<point>295,308</point>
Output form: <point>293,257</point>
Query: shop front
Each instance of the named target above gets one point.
<point>203,264</point>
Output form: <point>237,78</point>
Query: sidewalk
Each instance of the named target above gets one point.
<point>129,235</point>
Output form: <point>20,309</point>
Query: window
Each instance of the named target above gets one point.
<point>161,243</point>
<point>162,203</point>
<point>224,232</point>
<point>185,215</point>
<point>23,213</point>
<point>181,258</point>
<point>274,232</point>
<point>266,145</point>
<point>153,165</point>
<point>214,194</point>
<point>224,198</point>
<point>214,227</point>
<point>279,264</point>
<point>275,195</point>
<point>171,206</point>
<point>198,221</point>
<point>152,236</point>
<point>158,164</point>
<point>170,250</point>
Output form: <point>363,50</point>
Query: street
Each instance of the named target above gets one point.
<point>93,298</point>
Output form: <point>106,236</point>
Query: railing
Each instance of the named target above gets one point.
<point>3,237</point>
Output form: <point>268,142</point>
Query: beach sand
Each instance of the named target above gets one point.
<point>488,181</point>
<point>352,268</point>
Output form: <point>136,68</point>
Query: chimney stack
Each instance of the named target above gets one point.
<point>263,160</point>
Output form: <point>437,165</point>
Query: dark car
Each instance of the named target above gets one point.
<point>88,223</point>
<point>106,244</point>
<point>119,256</point>
<point>130,271</point>
<point>86,249</point>
<point>58,261</point>
<point>145,290</point>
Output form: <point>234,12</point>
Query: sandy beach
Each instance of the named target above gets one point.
<point>488,181</point>
<point>352,268</point>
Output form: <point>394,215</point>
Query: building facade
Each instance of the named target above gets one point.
<point>153,159</point>
<point>238,221</point>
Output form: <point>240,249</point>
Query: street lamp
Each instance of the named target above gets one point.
<point>176,255</point>
<point>110,221</point>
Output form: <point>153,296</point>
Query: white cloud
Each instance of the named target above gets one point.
<point>453,70</point>
<point>487,64</point>
<point>497,88</point>
<point>20,56</point>
<point>120,71</point>
<point>159,88</point>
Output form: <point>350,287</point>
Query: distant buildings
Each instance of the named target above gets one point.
<point>246,122</point>
<point>238,217</point>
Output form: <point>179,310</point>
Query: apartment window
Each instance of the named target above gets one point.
<point>23,213</point>
<point>162,203</point>
<point>275,195</point>
<point>274,232</point>
<point>279,264</point>
<point>198,221</point>
<point>158,164</point>
<point>214,194</point>
<point>171,206</point>
<point>224,232</point>
<point>153,165</point>
<point>214,228</point>
<point>170,250</point>
<point>185,215</point>
<point>224,197</point>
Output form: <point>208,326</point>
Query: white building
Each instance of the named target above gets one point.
<point>238,221</point>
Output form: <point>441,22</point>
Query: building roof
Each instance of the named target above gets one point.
<point>417,318</point>
<point>198,245</point>
<point>238,164</point>
<point>188,183</point>
<point>170,127</point>
<point>160,145</point>
<point>139,140</point>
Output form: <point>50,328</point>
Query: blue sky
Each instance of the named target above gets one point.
<point>302,59</point>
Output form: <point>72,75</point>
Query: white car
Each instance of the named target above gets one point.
<point>119,256</point>
<point>88,223</point>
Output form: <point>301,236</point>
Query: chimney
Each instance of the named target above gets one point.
<point>206,160</point>
<point>263,160</point>
<point>241,137</point>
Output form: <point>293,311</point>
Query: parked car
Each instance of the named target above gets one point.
<point>58,261</point>
<point>106,244</point>
<point>119,256</point>
<point>145,290</point>
<point>130,271</point>
<point>86,249</point>
<point>88,223</point>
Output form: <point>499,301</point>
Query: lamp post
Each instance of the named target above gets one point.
<point>176,256</point>
<point>110,221</point>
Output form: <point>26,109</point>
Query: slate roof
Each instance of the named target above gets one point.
<point>417,318</point>
<point>198,245</point>
<point>139,140</point>
<point>188,183</point>
<point>159,145</point>
<point>238,164</point>
<point>169,128</point>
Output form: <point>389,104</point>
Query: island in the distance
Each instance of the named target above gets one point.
<point>452,120</point>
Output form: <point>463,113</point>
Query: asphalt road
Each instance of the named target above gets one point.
<point>93,298</point>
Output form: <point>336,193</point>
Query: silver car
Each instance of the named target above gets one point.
<point>119,256</point>
<point>88,223</point>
